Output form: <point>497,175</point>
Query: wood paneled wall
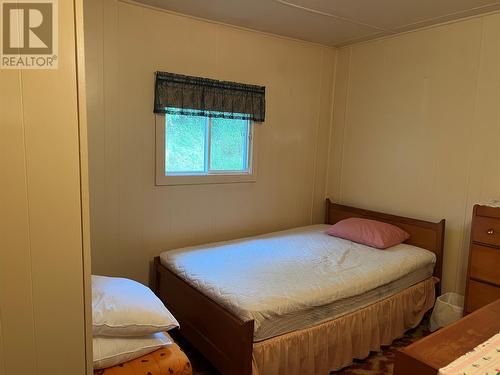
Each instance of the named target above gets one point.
<point>415,131</point>
<point>43,325</point>
<point>133,220</point>
<point>417,128</point>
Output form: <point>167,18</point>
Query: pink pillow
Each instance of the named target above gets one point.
<point>368,232</point>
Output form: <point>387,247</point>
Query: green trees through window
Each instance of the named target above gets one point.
<point>202,145</point>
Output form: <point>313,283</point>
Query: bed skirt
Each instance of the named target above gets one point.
<point>334,344</point>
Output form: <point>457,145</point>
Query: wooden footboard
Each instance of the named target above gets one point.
<point>217,333</point>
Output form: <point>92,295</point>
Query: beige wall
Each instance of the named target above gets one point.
<point>42,312</point>
<point>417,128</point>
<point>133,220</point>
<point>415,132</point>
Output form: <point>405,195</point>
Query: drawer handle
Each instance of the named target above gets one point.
<point>490,231</point>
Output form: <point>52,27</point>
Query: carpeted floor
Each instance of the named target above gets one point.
<point>381,363</point>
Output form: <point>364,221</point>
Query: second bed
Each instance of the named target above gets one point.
<point>300,301</point>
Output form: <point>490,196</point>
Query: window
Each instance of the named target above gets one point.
<point>198,149</point>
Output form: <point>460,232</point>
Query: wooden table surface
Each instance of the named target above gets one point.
<point>428,355</point>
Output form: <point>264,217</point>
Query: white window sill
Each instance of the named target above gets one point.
<point>205,179</point>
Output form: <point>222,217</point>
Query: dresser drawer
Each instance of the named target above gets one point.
<point>481,294</point>
<point>485,263</point>
<point>486,230</point>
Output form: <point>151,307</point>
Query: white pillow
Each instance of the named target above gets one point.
<point>123,307</point>
<point>110,351</point>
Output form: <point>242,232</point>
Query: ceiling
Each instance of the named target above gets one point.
<point>329,22</point>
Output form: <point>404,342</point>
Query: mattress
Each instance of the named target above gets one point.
<point>170,360</point>
<point>297,278</point>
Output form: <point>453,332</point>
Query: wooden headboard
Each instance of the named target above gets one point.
<point>424,234</point>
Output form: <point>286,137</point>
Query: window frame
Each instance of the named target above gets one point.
<point>213,177</point>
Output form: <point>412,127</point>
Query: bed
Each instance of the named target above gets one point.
<point>170,360</point>
<point>302,307</point>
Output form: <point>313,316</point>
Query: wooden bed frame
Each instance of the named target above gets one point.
<point>226,340</point>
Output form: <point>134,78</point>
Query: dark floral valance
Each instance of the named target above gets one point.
<point>196,96</point>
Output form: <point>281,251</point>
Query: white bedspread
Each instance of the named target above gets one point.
<point>284,272</point>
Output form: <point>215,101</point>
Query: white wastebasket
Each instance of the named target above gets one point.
<point>448,309</point>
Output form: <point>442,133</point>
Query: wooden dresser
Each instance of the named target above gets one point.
<point>439,349</point>
<point>483,275</point>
